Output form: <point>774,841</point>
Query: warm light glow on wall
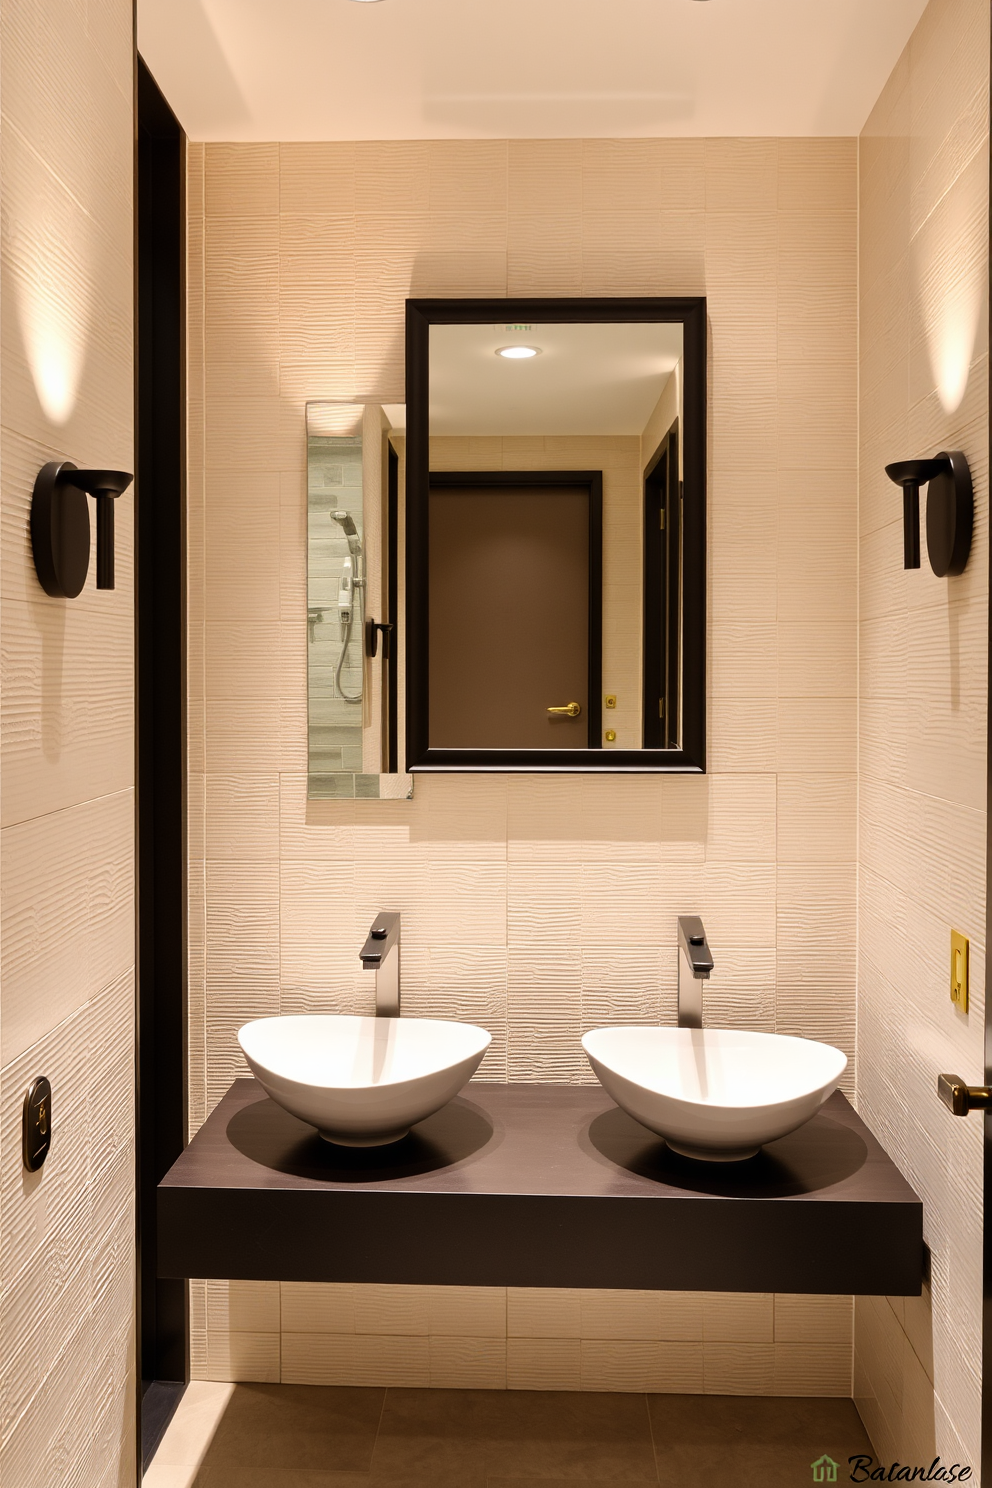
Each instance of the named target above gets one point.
<point>949,261</point>
<point>52,283</point>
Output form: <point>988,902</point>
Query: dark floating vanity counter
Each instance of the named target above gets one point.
<point>532,1186</point>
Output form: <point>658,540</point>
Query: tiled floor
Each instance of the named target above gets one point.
<point>311,1436</point>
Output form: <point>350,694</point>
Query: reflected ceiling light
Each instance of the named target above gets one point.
<point>518,353</point>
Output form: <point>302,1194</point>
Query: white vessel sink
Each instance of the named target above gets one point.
<point>362,1082</point>
<point>714,1093</point>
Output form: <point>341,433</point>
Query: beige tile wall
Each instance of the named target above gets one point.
<point>522,897</point>
<point>66,750</point>
<point>923,696</point>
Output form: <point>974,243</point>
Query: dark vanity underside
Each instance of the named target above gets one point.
<point>537,1186</point>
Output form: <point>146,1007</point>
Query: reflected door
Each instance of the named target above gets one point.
<point>515,618</point>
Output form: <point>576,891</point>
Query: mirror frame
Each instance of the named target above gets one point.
<point>690,312</point>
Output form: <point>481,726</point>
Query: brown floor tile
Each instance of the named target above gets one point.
<point>319,1428</point>
<point>277,1477</point>
<point>462,1438</point>
<point>733,1441</point>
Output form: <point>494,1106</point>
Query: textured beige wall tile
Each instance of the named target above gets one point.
<point>241,817</point>
<point>333,1359</point>
<point>66,712</point>
<point>392,1310</point>
<point>739,1368</point>
<point>808,1319</point>
<point>738,1317</point>
<point>243,1306</point>
<point>741,174</point>
<point>546,1312</point>
<point>627,986</point>
<point>317,1307</point>
<point>68,926</point>
<point>463,1363</point>
<point>241,180</point>
<point>666,1368</point>
<point>543,1364</point>
<point>242,1356</point>
<point>657,1316</point>
<point>816,818</point>
<point>819,1368</point>
<point>467,1312</point>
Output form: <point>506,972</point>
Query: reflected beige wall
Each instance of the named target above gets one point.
<point>537,906</point>
<point>923,708</point>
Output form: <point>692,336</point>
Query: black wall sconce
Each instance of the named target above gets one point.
<point>950,510</point>
<point>60,526</point>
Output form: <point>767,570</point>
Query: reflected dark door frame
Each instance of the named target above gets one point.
<point>690,312</point>
<point>662,632</point>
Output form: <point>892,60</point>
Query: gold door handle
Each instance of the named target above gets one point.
<point>571,710</point>
<point>960,1098</point>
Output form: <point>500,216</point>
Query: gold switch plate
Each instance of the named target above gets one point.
<point>959,970</point>
<point>611,699</point>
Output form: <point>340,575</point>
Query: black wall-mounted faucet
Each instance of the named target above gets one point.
<point>381,954</point>
<point>695,965</point>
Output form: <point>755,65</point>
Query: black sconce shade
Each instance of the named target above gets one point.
<point>911,475</point>
<point>950,515</point>
<point>950,510</point>
<point>60,526</point>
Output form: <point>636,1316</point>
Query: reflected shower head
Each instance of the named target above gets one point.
<point>347,524</point>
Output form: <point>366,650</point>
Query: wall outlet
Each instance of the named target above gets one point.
<point>959,970</point>
<point>36,1124</point>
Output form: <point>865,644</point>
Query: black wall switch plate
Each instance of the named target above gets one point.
<point>37,1123</point>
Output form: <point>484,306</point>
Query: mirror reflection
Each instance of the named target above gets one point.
<point>539,439</point>
<point>354,454</point>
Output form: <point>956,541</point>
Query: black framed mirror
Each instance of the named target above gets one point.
<point>556,535</point>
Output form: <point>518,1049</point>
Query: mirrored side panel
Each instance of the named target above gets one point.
<point>354,525</point>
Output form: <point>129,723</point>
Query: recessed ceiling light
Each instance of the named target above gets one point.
<point>518,353</point>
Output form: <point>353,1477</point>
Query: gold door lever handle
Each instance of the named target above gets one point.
<point>572,710</point>
<point>960,1098</point>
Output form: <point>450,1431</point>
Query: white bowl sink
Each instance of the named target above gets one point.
<point>362,1082</point>
<point>714,1093</point>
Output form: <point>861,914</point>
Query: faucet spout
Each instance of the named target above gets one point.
<point>381,954</point>
<point>695,965</point>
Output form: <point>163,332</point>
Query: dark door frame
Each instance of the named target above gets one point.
<point>662,639</point>
<point>511,480</point>
<point>160,732</point>
<point>690,312</point>
<point>987,1116</point>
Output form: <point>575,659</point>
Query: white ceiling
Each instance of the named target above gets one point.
<point>470,69</point>
<point>589,379</point>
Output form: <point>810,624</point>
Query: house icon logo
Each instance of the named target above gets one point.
<point>824,1469</point>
